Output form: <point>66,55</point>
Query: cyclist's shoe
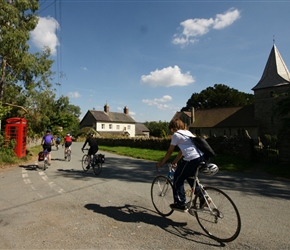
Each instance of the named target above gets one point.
<point>65,157</point>
<point>176,206</point>
<point>88,167</point>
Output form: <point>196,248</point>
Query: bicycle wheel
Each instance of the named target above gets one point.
<point>85,163</point>
<point>162,195</point>
<point>224,224</point>
<point>45,164</point>
<point>68,155</point>
<point>97,167</point>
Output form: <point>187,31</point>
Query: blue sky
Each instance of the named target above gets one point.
<point>151,56</point>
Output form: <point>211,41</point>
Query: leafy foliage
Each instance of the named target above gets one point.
<point>26,79</point>
<point>219,96</point>
<point>157,129</point>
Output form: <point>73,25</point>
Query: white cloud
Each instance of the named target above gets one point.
<point>84,68</point>
<point>75,94</point>
<point>160,103</point>
<point>194,28</point>
<point>167,77</point>
<point>44,35</point>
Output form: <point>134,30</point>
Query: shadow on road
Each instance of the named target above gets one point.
<point>136,214</point>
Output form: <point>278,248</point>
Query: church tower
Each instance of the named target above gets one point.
<point>274,81</point>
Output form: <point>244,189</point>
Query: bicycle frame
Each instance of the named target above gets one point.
<point>194,196</point>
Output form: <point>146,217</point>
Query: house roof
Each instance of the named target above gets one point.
<point>225,117</point>
<point>178,114</point>
<point>102,116</point>
<point>275,73</point>
<point>140,128</point>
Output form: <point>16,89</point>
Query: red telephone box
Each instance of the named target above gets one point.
<point>16,128</point>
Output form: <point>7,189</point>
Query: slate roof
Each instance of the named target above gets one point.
<point>140,128</point>
<point>225,117</point>
<point>102,116</point>
<point>275,73</point>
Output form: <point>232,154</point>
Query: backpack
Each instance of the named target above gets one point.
<point>202,145</point>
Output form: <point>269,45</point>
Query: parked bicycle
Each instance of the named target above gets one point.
<point>214,210</point>
<point>95,162</point>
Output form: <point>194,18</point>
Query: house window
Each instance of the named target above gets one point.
<point>110,126</point>
<point>129,126</point>
<point>118,127</point>
<point>103,126</point>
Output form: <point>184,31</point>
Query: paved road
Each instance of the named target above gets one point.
<point>65,208</point>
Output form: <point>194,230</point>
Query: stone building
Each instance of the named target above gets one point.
<point>274,82</point>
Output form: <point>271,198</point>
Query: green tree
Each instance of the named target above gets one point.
<point>219,96</point>
<point>25,79</point>
<point>17,19</point>
<point>157,129</point>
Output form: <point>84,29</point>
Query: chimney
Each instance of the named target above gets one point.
<point>106,108</point>
<point>192,116</point>
<point>126,110</point>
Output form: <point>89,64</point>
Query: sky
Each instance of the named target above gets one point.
<point>151,55</point>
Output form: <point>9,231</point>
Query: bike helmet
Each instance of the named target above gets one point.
<point>209,169</point>
<point>48,130</point>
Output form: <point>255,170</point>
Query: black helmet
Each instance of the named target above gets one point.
<point>48,130</point>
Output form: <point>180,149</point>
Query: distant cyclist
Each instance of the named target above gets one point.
<point>67,143</point>
<point>47,142</point>
<point>92,141</point>
<point>57,141</point>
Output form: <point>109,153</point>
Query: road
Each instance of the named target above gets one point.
<point>65,208</point>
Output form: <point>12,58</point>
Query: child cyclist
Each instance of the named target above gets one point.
<point>67,144</point>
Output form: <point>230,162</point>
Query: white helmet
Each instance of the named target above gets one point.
<point>209,169</point>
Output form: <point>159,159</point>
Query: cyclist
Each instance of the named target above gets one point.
<point>92,141</point>
<point>67,143</point>
<point>46,142</point>
<point>185,168</point>
<point>57,141</point>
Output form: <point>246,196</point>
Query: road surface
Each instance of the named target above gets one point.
<point>65,208</point>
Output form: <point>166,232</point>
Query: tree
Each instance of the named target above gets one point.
<point>16,20</point>
<point>25,78</point>
<point>157,129</point>
<point>219,96</point>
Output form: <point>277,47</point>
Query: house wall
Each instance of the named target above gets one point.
<point>265,103</point>
<point>115,127</point>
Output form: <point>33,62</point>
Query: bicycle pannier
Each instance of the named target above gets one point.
<point>40,156</point>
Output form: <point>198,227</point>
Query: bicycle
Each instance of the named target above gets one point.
<point>95,163</point>
<point>45,160</point>
<point>68,154</point>
<point>219,217</point>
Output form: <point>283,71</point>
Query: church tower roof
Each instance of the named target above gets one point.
<point>275,73</point>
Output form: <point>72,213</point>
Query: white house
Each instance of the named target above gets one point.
<point>106,122</point>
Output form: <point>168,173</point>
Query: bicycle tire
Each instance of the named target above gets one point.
<point>225,225</point>
<point>85,163</point>
<point>45,164</point>
<point>162,195</point>
<point>97,168</point>
<point>68,155</point>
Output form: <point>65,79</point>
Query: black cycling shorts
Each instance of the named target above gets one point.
<point>67,144</point>
<point>93,150</point>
